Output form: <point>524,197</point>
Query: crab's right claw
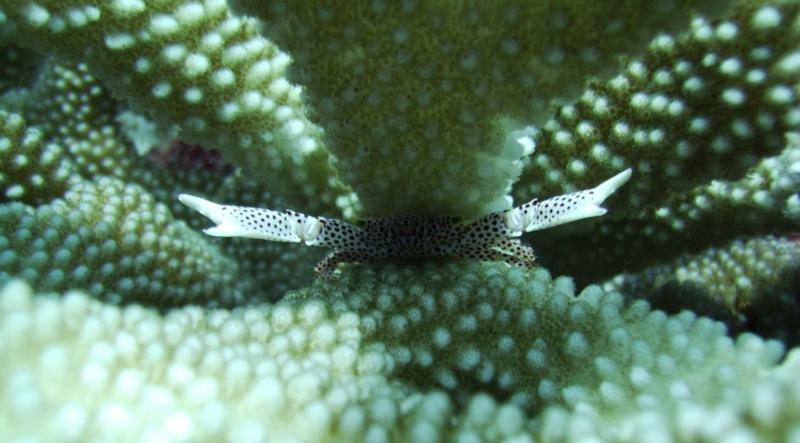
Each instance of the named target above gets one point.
<point>536,215</point>
<point>608,187</point>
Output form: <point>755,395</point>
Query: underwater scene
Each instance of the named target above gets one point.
<point>400,221</point>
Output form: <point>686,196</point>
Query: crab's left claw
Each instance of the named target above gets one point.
<point>264,224</point>
<point>536,215</point>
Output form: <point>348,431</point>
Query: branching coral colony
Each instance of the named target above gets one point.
<point>134,325</point>
<point>489,238</point>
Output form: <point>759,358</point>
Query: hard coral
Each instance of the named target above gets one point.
<point>138,327</point>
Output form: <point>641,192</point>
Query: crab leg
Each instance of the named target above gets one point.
<point>326,268</point>
<point>509,250</point>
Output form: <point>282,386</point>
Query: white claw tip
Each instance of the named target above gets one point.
<point>203,206</point>
<point>608,187</point>
<point>213,211</point>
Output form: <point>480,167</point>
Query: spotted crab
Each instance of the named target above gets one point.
<point>489,238</point>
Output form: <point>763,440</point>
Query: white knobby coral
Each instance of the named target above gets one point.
<point>489,238</point>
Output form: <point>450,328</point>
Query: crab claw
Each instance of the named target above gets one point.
<point>608,187</point>
<point>264,224</point>
<point>536,215</point>
<point>214,212</point>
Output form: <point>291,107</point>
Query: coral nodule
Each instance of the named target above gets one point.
<point>674,317</point>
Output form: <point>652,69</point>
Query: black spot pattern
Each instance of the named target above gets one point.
<point>486,239</point>
<point>528,207</point>
<point>485,231</point>
<point>341,236</point>
<point>421,237</point>
<point>490,238</point>
<point>411,236</point>
<point>511,251</point>
<point>264,223</point>
<point>550,211</point>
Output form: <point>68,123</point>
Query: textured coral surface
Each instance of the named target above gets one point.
<point>672,318</point>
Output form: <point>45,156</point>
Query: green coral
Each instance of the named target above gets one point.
<point>363,361</point>
<point>427,88</point>
<point>261,373</point>
<point>33,171</point>
<point>703,105</point>
<point>763,202</point>
<point>17,66</point>
<point>204,70</point>
<point>68,107</point>
<point>73,110</point>
<point>705,119</point>
<point>140,327</point>
<point>750,284</point>
<point>121,245</point>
